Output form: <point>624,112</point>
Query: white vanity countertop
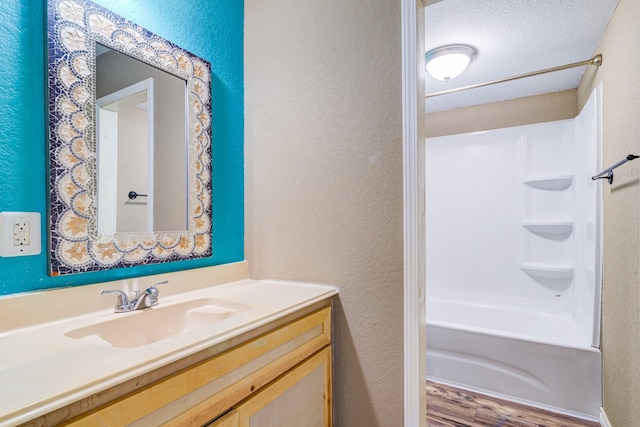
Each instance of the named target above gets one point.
<point>41,369</point>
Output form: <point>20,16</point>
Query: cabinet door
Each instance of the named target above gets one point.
<point>229,419</point>
<point>301,397</point>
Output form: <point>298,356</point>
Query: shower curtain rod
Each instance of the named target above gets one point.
<point>595,61</point>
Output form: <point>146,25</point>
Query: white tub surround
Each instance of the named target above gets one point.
<point>42,370</point>
<point>514,261</point>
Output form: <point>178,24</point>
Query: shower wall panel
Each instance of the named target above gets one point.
<point>476,204</point>
<point>513,221</point>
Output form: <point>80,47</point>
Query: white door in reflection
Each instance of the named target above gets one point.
<point>125,160</point>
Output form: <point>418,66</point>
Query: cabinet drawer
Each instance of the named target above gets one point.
<point>203,391</point>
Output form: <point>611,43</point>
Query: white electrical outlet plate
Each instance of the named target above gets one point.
<point>19,234</point>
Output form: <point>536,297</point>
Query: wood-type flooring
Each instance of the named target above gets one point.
<point>451,407</point>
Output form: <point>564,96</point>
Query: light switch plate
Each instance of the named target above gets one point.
<point>20,234</point>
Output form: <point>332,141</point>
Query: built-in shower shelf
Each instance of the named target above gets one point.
<point>549,228</point>
<point>549,182</point>
<point>548,271</point>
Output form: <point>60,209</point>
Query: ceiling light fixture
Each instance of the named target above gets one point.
<point>448,62</point>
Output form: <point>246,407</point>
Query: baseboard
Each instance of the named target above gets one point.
<point>604,421</point>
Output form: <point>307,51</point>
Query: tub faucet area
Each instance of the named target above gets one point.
<point>138,301</point>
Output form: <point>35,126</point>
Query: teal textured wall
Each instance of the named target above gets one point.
<point>211,29</point>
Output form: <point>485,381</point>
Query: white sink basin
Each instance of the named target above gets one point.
<point>141,327</point>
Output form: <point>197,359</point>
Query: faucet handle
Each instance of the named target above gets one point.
<point>156,284</point>
<point>153,292</point>
<point>123,300</point>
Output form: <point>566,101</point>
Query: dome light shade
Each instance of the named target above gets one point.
<point>448,62</point>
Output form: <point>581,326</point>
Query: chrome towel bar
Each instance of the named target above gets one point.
<point>608,173</point>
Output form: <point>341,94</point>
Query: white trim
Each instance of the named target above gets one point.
<point>599,263</point>
<point>151,143</point>
<point>604,421</point>
<point>413,208</point>
<point>107,109</point>
<point>107,169</point>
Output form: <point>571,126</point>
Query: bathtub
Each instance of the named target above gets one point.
<point>534,358</point>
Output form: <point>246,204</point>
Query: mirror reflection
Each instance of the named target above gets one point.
<point>141,146</point>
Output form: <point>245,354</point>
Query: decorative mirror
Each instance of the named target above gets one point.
<point>129,144</point>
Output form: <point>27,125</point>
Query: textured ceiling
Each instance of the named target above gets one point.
<point>514,37</point>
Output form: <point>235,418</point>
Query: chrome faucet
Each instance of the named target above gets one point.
<point>137,301</point>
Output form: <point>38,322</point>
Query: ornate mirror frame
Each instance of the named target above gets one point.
<point>74,27</point>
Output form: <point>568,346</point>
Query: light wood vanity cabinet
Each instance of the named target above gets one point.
<point>301,397</point>
<point>280,375</point>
